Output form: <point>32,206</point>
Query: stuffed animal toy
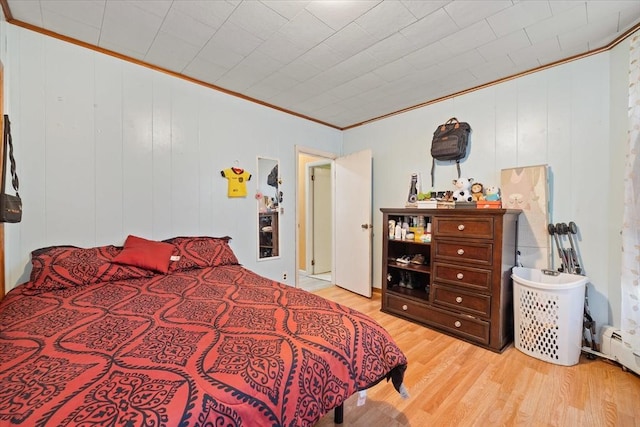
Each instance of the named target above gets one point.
<point>477,192</point>
<point>463,190</point>
<point>492,193</point>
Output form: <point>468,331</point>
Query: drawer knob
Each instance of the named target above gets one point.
<point>457,324</point>
<point>460,276</point>
<point>461,227</point>
<point>460,251</point>
<point>458,300</point>
<point>404,307</point>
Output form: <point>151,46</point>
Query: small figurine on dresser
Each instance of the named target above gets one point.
<point>492,194</point>
<point>477,191</point>
<point>413,189</point>
<point>491,198</point>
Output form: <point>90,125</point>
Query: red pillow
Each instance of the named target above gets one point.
<point>148,254</point>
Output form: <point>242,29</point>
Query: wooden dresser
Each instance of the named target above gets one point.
<point>459,282</point>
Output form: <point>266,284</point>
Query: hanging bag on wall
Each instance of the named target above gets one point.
<point>10,206</point>
<point>449,142</point>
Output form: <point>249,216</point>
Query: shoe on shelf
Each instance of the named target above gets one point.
<point>417,259</point>
<point>404,259</point>
<point>402,280</point>
<point>410,284</point>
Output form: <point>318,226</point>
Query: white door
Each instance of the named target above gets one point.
<point>352,222</point>
<point>321,219</point>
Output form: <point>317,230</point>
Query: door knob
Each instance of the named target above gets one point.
<point>366,226</point>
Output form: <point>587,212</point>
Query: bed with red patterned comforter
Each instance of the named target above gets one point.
<point>92,341</point>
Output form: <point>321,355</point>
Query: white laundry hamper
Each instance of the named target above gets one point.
<point>548,309</point>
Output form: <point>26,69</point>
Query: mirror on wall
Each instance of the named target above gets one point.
<point>269,198</point>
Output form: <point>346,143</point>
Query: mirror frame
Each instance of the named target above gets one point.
<point>268,209</point>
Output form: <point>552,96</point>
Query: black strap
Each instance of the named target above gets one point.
<point>8,142</point>
<point>433,171</point>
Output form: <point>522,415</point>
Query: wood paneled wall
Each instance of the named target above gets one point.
<point>567,117</point>
<point>107,148</point>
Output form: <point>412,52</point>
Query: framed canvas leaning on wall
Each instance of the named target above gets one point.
<point>527,188</point>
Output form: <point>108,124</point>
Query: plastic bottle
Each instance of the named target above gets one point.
<point>398,232</point>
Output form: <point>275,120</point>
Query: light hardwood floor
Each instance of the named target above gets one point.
<point>453,383</point>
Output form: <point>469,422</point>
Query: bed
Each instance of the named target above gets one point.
<point>120,336</point>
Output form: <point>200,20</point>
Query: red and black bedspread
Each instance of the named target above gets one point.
<point>91,341</point>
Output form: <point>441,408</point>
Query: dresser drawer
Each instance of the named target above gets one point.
<point>460,325</point>
<point>464,252</point>
<point>468,277</point>
<point>459,299</point>
<point>406,307</point>
<point>469,227</point>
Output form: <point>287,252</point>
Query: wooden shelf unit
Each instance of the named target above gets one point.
<point>464,287</point>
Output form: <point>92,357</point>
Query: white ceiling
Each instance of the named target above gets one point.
<point>339,62</point>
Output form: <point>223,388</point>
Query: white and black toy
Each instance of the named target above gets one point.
<point>463,190</point>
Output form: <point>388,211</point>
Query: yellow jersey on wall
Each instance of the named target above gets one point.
<point>237,178</point>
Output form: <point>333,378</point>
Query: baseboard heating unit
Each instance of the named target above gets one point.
<point>615,349</point>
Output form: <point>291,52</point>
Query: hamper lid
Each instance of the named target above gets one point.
<point>547,279</point>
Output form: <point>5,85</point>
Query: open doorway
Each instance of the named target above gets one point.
<point>350,227</point>
<point>319,220</point>
<point>314,219</point>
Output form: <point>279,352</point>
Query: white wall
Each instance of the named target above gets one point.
<point>561,117</point>
<point>106,148</point>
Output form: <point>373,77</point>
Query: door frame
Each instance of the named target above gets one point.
<point>3,283</point>
<point>326,157</point>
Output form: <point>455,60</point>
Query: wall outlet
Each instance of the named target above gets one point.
<point>284,276</point>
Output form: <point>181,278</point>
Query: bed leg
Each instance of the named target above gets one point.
<point>339,414</point>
